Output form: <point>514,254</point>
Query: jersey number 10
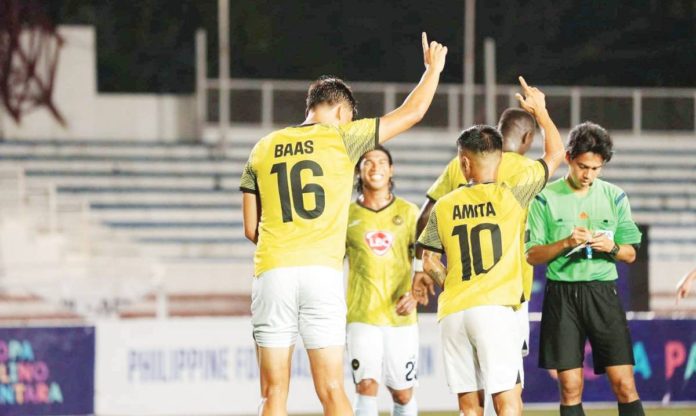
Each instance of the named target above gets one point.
<point>461,231</point>
<point>297,190</point>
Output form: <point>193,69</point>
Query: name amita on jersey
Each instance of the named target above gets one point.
<point>463,211</point>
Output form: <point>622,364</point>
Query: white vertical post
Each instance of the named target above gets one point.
<point>574,106</point>
<point>201,84</point>
<point>224,68</point>
<point>489,57</point>
<point>637,112</point>
<point>452,107</point>
<point>266,104</point>
<point>389,98</point>
<point>469,34</point>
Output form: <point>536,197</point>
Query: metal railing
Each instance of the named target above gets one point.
<point>269,103</point>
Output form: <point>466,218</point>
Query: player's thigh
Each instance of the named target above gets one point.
<point>327,368</point>
<point>401,356</point>
<point>274,308</point>
<point>274,366</point>
<point>562,335</point>
<point>461,363</point>
<point>322,307</point>
<point>365,351</point>
<point>495,334</point>
<point>607,326</point>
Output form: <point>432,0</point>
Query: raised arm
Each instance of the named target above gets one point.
<point>414,107</point>
<point>534,102</point>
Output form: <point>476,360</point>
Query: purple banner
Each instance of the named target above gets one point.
<point>665,370</point>
<point>46,371</point>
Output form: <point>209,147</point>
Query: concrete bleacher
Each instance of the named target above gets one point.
<point>179,201</point>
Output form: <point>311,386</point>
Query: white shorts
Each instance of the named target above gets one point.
<point>481,348</point>
<point>308,300</point>
<point>523,322</point>
<point>392,349</point>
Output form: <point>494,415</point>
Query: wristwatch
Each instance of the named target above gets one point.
<point>615,250</point>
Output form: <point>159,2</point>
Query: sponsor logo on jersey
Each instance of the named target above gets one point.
<point>379,241</point>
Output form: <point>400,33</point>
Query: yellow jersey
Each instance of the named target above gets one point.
<point>478,227</point>
<point>379,247</point>
<point>303,176</point>
<point>453,177</point>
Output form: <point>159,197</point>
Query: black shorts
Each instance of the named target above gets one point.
<point>575,312</point>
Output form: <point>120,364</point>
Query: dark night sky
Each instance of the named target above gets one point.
<point>148,45</point>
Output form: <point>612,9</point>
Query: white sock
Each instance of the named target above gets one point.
<point>488,406</point>
<point>408,409</point>
<point>263,401</point>
<point>365,405</point>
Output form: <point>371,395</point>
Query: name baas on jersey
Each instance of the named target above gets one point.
<point>479,227</point>
<point>303,176</point>
<point>379,247</point>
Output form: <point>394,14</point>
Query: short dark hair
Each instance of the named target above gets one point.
<point>515,118</point>
<point>359,182</point>
<point>480,139</point>
<point>330,90</point>
<point>590,137</point>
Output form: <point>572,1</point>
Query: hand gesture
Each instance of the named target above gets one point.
<point>423,287</point>
<point>406,304</point>
<point>433,54</point>
<point>602,243</point>
<point>533,101</point>
<point>580,235</point>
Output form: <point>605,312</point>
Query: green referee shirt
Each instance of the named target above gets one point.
<point>557,210</point>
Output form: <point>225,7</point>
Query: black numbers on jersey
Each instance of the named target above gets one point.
<point>411,374</point>
<point>474,240</point>
<point>297,190</point>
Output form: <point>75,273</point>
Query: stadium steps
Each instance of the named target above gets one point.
<point>180,201</point>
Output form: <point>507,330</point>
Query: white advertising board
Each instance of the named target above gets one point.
<point>208,367</point>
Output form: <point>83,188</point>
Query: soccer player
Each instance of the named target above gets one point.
<point>297,188</point>
<point>517,128</point>
<point>684,285</point>
<point>478,227</point>
<point>581,226</point>
<point>382,326</point>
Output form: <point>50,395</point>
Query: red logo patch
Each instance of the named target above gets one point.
<point>379,241</point>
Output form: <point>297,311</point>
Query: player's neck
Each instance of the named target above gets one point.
<point>484,175</point>
<point>576,187</point>
<point>375,199</point>
<point>321,116</point>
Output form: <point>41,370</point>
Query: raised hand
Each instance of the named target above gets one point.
<point>533,101</point>
<point>434,54</point>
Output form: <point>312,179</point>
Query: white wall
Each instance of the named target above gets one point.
<point>91,115</point>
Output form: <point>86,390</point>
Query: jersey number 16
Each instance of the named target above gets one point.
<point>297,190</point>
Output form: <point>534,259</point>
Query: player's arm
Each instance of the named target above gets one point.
<point>433,267</point>
<point>414,107</point>
<point>603,244</point>
<point>684,285</point>
<point>421,222</point>
<point>251,214</point>
<point>534,102</point>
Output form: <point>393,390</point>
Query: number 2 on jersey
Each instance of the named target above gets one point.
<point>297,191</point>
<point>464,242</point>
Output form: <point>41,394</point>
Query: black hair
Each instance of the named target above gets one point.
<point>358,181</point>
<point>516,118</point>
<point>480,139</point>
<point>330,90</point>
<point>590,137</point>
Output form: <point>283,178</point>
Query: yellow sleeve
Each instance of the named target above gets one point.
<point>448,181</point>
<point>528,182</point>
<point>430,237</point>
<point>360,136</point>
<point>248,182</point>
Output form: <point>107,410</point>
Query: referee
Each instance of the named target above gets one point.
<point>581,226</point>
